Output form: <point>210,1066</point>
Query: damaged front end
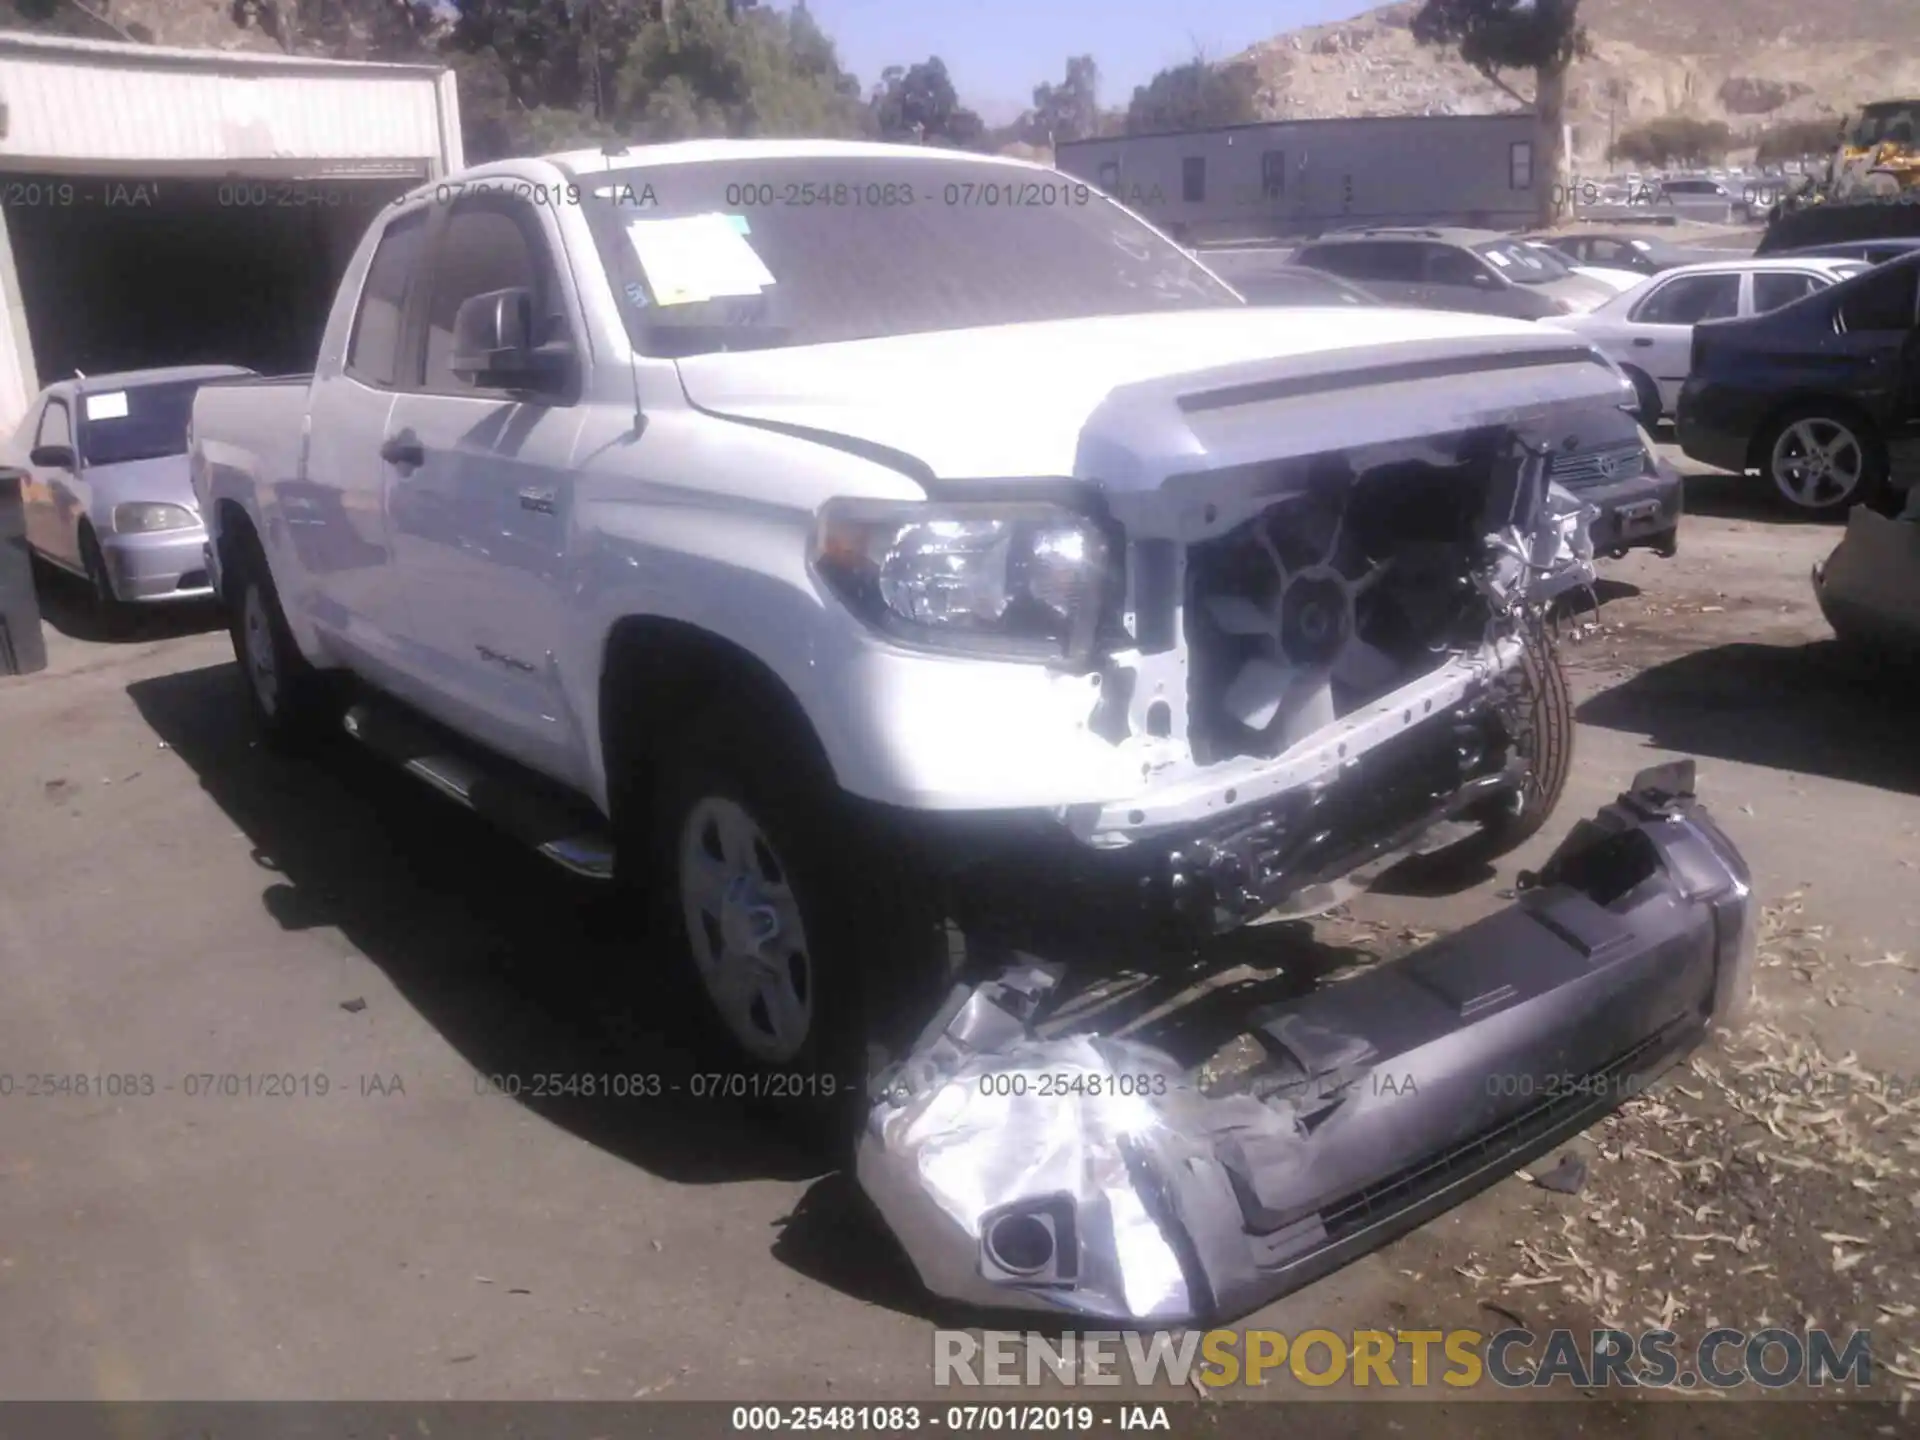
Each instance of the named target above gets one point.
<point>1094,1177</point>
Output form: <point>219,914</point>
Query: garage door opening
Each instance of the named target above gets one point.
<point>124,274</point>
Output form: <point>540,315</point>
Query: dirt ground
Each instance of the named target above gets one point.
<point>175,903</point>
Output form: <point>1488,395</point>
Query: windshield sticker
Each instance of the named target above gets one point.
<point>110,406</point>
<point>692,258</point>
<point>1497,258</point>
<point>739,224</point>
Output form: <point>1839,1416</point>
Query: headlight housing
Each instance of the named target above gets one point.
<point>140,517</point>
<point>1012,580</point>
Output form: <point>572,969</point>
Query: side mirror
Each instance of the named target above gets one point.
<point>494,345</point>
<point>51,457</point>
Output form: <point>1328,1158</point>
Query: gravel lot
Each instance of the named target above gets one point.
<point>175,902</point>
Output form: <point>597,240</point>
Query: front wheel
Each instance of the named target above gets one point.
<point>808,942</point>
<point>110,612</point>
<point>1646,398</point>
<point>1823,462</point>
<point>1536,706</point>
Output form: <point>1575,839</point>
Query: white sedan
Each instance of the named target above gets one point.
<point>1648,330</point>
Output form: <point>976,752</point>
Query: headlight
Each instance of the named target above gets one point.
<point>141,516</point>
<point>1018,581</point>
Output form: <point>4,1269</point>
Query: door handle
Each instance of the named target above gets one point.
<point>401,451</point>
<point>1643,342</point>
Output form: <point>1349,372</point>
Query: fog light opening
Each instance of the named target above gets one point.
<point>1020,1244</point>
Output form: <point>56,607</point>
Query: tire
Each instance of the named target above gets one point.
<point>287,699</point>
<point>1852,472</point>
<point>110,612</point>
<point>1648,395</point>
<point>811,947</point>
<point>1537,705</point>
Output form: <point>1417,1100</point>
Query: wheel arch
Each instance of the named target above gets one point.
<point>659,676</point>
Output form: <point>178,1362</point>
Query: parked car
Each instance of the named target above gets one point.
<point>1869,587</point>
<point>1618,281</point>
<point>1874,252</point>
<point>1271,284</point>
<point>1821,397</point>
<point>105,488</point>
<point>1642,254</point>
<point>1702,198</point>
<point>1648,331</point>
<point>1442,269</point>
<point>822,575</point>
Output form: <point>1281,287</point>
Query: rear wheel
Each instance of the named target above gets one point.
<point>1823,461</point>
<point>286,697</point>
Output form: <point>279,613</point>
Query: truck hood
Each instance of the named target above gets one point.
<point>1130,400</point>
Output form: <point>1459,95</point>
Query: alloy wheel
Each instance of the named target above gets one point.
<point>1817,463</point>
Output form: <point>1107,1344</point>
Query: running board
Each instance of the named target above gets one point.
<point>566,833</point>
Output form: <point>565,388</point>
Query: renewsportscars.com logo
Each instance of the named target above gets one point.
<point>1723,1359</point>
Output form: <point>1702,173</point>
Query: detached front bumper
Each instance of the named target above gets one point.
<point>1089,1176</point>
<point>161,566</point>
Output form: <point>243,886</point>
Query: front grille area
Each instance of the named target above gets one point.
<point>1602,466</point>
<point>1355,1212</point>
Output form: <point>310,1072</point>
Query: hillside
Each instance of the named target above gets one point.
<point>1751,64</point>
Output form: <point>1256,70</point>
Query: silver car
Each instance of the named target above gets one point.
<point>104,483</point>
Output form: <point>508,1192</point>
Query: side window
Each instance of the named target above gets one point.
<point>1690,299</point>
<point>56,426</point>
<point>1520,165</point>
<point>1273,174</point>
<point>1605,252</point>
<point>1772,290</point>
<point>1193,179</point>
<point>1386,260</point>
<point>1881,300</point>
<point>373,351</point>
<point>1334,259</point>
<point>1448,265</point>
<point>487,245</point>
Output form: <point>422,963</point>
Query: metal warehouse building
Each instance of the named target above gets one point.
<point>169,206</point>
<point>1301,177</point>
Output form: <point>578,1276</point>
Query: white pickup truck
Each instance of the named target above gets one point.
<point>817,537</point>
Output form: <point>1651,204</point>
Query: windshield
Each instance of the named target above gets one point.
<point>812,251</point>
<point>1523,264</point>
<point>143,422</point>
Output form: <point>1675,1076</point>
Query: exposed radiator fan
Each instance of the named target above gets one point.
<point>1302,583</point>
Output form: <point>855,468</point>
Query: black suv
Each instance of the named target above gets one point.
<point>1821,396</point>
<point>1439,269</point>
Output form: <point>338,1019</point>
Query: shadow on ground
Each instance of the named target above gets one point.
<point>1810,709</point>
<point>1745,497</point>
<point>527,971</point>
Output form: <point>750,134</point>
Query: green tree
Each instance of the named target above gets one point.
<point>344,29</point>
<point>1797,140</point>
<point>1194,96</point>
<point>1496,36</point>
<point>1069,110</point>
<point>1675,140</point>
<point>918,102</point>
<point>71,17</point>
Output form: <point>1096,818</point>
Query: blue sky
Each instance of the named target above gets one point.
<point>998,50</point>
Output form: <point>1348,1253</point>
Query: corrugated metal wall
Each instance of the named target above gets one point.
<point>108,111</point>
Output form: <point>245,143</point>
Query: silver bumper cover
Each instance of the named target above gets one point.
<point>1090,1176</point>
